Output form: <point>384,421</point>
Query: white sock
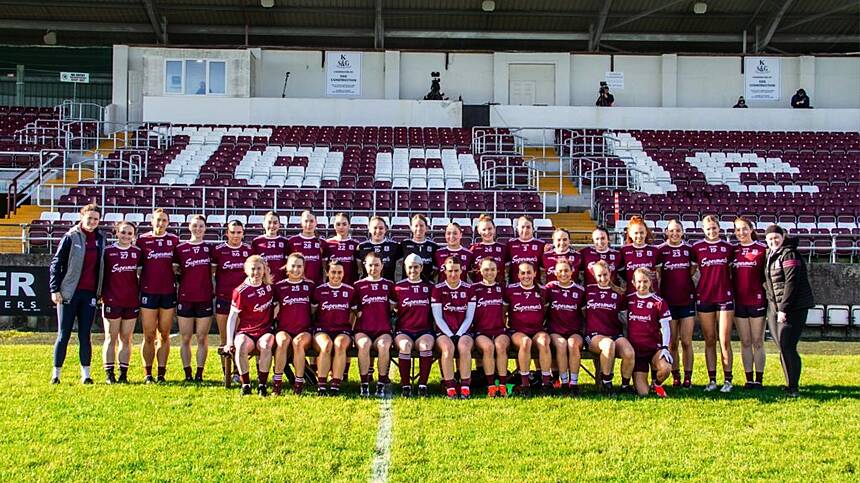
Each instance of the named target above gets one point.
<point>564,377</point>
<point>56,372</point>
<point>574,378</point>
<point>85,372</point>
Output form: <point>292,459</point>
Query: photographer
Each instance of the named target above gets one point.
<point>800,100</point>
<point>604,99</point>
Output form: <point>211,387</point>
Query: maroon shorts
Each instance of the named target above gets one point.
<point>332,334</point>
<point>194,309</point>
<point>373,334</point>
<point>529,333</point>
<point>491,334</point>
<point>293,334</point>
<point>643,360</point>
<point>124,313</point>
<point>567,334</point>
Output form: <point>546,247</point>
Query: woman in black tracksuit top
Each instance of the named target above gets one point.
<point>789,297</point>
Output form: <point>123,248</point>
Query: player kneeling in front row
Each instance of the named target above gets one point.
<point>565,299</point>
<point>453,305</point>
<point>333,333</point>
<point>373,323</point>
<point>293,295</point>
<point>490,335</point>
<point>250,320</point>
<point>648,330</point>
<point>411,301</point>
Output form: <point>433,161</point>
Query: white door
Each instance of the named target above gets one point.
<point>531,84</point>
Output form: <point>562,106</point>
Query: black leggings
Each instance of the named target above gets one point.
<point>787,336</point>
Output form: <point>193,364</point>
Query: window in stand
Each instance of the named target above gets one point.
<point>195,77</point>
<point>173,77</point>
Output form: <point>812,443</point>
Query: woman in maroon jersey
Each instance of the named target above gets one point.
<point>249,326</point>
<point>193,264</point>
<point>310,246</point>
<point>525,248</point>
<point>648,331</point>
<point>271,245</point>
<point>228,261</point>
<point>750,304</point>
<point>342,248</point>
<point>411,301</point>
<point>489,325</point>
<point>293,319</point>
<point>676,270</point>
<point>373,323</point>
<point>600,250</point>
<point>488,247</point>
<point>564,299</point>
<point>526,326</point>
<point>715,299</point>
<point>453,305</point>
<point>120,305</point>
<point>453,248</point>
<point>157,293</point>
<point>560,251</point>
<point>333,303</point>
<point>604,334</point>
<point>637,252</point>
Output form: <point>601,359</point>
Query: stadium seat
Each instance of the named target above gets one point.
<point>855,315</point>
<point>816,316</point>
<point>838,316</point>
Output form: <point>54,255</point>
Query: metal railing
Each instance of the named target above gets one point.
<point>31,179</point>
<point>509,172</point>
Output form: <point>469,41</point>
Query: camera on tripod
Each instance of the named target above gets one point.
<point>435,93</point>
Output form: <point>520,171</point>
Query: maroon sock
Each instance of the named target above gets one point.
<point>676,375</point>
<point>466,382</point>
<point>607,378</point>
<point>383,379</point>
<point>262,377</point>
<point>688,375</point>
<point>147,370</point>
<point>245,378</point>
<point>448,383</point>
<point>546,379</point>
<point>162,371</point>
<point>335,383</point>
<point>749,376</point>
<point>491,379</point>
<point>425,363</point>
<point>727,376</point>
<point>199,373</point>
<point>625,381</point>
<point>712,376</point>
<point>524,380</point>
<point>322,381</point>
<point>759,376</point>
<point>365,378</point>
<point>404,365</point>
<point>187,372</point>
<point>503,379</point>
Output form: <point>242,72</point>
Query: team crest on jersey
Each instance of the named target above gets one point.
<point>650,305</point>
<point>723,249</point>
<point>426,290</point>
<point>614,295</point>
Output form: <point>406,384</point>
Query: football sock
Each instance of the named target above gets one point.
<point>187,372</point>
<point>712,376</point>
<point>109,367</point>
<point>162,371</point>
<point>383,379</point>
<point>564,377</point>
<point>759,376</point>
<point>322,381</point>
<point>546,377</point>
<point>608,377</point>
<point>625,381</point>
<point>503,379</point>
<point>85,372</point>
<point>574,378</point>
<point>524,378</point>
<point>262,377</point>
<point>123,369</point>
<point>676,374</point>
<point>727,375</point>
<point>199,373</point>
<point>749,376</point>
<point>335,384</point>
<point>688,375</point>
<point>147,370</point>
<point>425,364</point>
<point>466,382</point>
<point>245,378</point>
<point>404,365</point>
<point>55,374</point>
<point>365,378</point>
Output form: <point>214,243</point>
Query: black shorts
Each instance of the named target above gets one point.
<point>710,308</point>
<point>157,301</point>
<point>415,335</point>
<point>529,334</point>
<point>592,335</point>
<point>293,334</point>
<point>222,306</point>
<point>643,360</point>
<point>255,338</point>
<point>750,311</point>
<point>492,335</point>
<point>373,334</point>
<point>682,311</point>
<point>194,309</point>
<point>123,313</point>
<point>332,334</point>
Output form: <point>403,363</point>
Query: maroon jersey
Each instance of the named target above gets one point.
<point>413,306</point>
<point>254,305</point>
<point>714,259</point>
<point>274,251</point>
<point>195,271</point>
<point>462,253</point>
<point>495,251</point>
<point>590,256</point>
<point>119,284</point>
<point>525,308</point>
<point>314,250</point>
<point>372,300</point>
<point>643,321</point>
<point>565,307</point>
<point>157,276</point>
<point>602,307</point>
<point>633,258</point>
<point>748,274</point>
<point>676,283</point>
<point>344,252</point>
<point>549,259</point>
<point>334,307</point>
<point>489,309</point>
<point>229,265</point>
<point>520,251</point>
<point>294,302</point>
<point>454,302</point>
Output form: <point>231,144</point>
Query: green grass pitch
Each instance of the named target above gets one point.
<point>176,432</point>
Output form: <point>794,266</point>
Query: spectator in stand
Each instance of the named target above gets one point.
<point>800,100</point>
<point>742,103</point>
<point>604,98</point>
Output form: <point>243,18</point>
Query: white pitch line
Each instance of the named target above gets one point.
<point>382,452</point>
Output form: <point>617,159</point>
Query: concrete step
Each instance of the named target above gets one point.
<point>579,223</point>
<point>10,230</point>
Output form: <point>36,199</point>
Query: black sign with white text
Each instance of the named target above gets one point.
<point>24,291</point>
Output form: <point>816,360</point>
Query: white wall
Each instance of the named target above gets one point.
<point>501,80</point>
<point>260,110</point>
<point>642,80</point>
<point>677,118</point>
<point>586,72</point>
<point>468,75</point>
<point>709,81</point>
<point>837,82</point>
<point>307,74</point>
